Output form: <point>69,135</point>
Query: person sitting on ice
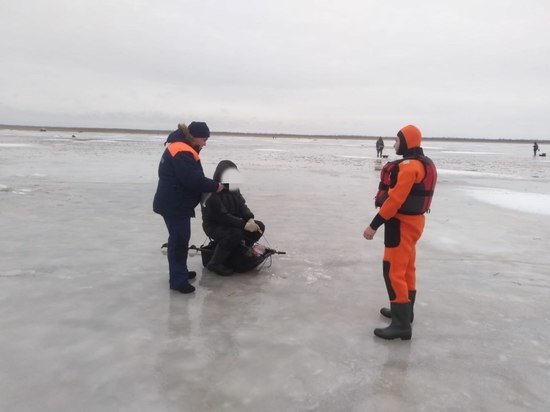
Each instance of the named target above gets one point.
<point>226,218</point>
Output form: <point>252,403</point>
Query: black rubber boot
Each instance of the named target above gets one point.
<point>412,297</point>
<point>191,274</point>
<point>400,326</point>
<point>216,264</point>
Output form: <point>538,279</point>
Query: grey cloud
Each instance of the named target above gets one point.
<point>286,65</point>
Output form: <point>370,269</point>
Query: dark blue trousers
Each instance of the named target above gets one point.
<point>179,233</point>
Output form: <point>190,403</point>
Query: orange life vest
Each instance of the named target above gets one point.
<point>420,197</point>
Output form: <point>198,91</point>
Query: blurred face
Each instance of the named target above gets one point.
<point>396,144</point>
<point>233,178</point>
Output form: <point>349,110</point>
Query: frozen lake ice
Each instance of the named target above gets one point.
<point>88,322</point>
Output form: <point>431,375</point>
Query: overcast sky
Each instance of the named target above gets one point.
<point>465,68</point>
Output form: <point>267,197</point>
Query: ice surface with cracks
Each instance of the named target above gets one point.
<point>88,322</point>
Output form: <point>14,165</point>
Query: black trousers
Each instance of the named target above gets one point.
<point>229,238</point>
<point>179,232</point>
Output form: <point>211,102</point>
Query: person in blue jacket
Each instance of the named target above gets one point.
<point>180,186</point>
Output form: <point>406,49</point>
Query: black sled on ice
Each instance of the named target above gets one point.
<point>243,259</point>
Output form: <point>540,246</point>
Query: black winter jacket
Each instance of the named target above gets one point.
<point>226,208</point>
<point>181,179</point>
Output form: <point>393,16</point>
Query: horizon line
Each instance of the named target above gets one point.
<point>260,134</point>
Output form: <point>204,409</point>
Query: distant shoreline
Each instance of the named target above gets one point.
<point>261,135</point>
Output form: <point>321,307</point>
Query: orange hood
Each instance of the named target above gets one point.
<point>409,137</point>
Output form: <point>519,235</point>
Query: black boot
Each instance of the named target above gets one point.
<point>216,264</point>
<point>185,288</point>
<point>412,297</point>
<point>400,326</point>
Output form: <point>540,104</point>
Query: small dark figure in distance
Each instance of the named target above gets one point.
<point>379,147</point>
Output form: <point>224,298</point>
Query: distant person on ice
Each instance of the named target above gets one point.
<point>535,148</point>
<point>181,183</point>
<point>405,193</point>
<point>227,219</point>
<point>379,147</point>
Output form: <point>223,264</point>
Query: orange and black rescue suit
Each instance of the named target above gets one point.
<point>404,195</point>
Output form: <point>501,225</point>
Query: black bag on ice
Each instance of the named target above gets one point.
<point>241,260</point>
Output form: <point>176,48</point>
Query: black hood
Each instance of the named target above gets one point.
<point>402,144</point>
<point>222,167</point>
<point>177,136</point>
<point>414,152</point>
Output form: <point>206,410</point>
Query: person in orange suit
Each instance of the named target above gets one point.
<point>404,195</point>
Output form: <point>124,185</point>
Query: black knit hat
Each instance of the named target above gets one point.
<point>199,129</point>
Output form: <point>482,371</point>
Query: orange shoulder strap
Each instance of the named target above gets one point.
<point>176,147</point>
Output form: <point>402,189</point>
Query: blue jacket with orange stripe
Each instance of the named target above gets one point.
<point>181,179</point>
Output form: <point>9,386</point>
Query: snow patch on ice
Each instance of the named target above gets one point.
<point>443,172</point>
<point>18,272</point>
<point>356,157</point>
<point>447,243</point>
<point>23,191</point>
<point>471,153</point>
<point>351,145</point>
<point>315,274</point>
<point>271,150</point>
<point>473,322</point>
<point>96,141</point>
<point>509,199</point>
<point>16,145</point>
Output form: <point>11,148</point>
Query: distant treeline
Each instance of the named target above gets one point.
<point>261,135</point>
